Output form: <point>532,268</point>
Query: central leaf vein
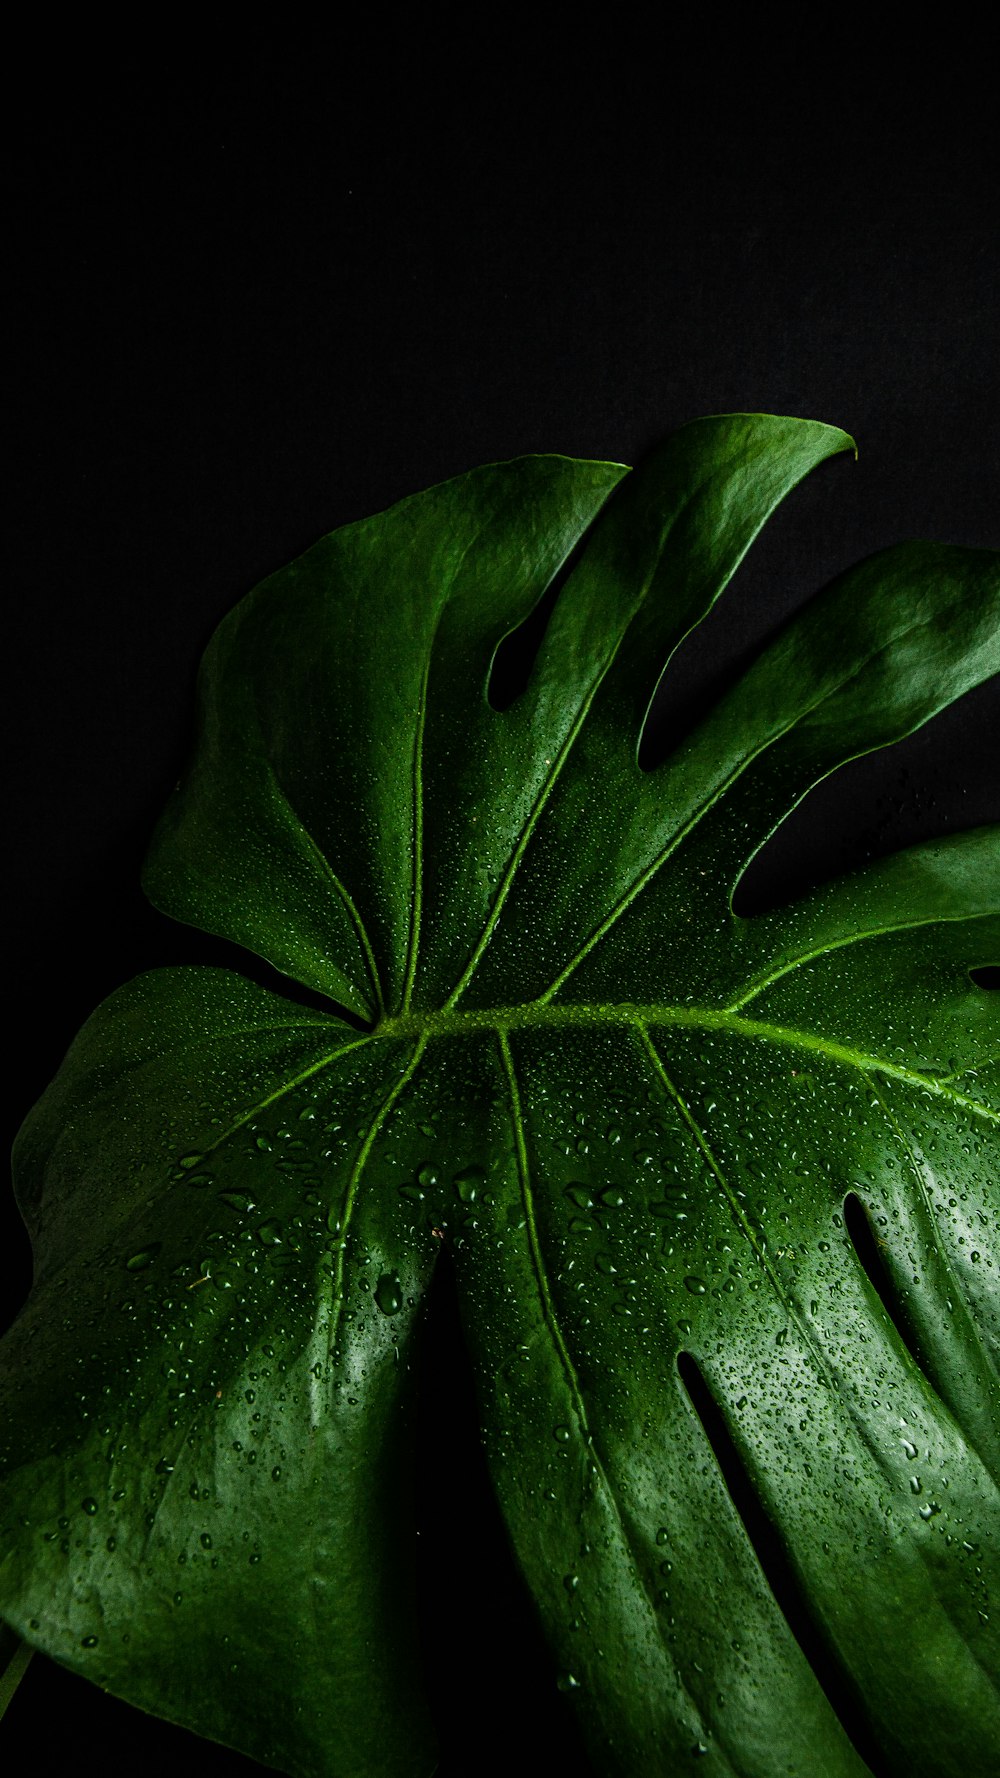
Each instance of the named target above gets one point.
<point>451,1022</point>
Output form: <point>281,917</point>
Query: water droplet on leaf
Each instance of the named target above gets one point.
<point>137,1262</point>
<point>238,1200</point>
<point>389,1294</point>
<point>468,1183</point>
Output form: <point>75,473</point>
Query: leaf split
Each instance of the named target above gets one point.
<point>720,1193</point>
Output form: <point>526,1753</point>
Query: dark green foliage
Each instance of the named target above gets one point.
<point>638,1121</point>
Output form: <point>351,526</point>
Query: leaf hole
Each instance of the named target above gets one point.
<point>864,1240</point>
<point>987,977</point>
<point>185,946</point>
<point>879,804</point>
<point>515,654</point>
<point>463,1558</point>
<point>789,1595</point>
<point>766,592</point>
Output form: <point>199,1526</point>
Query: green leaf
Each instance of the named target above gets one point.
<point>652,1133</point>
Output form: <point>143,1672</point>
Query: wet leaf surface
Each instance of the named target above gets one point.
<point>719,1192</point>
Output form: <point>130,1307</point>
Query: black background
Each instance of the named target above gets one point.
<point>252,300</point>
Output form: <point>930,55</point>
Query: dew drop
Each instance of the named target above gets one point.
<point>389,1294</point>
<point>269,1233</point>
<point>190,1161</point>
<point>696,1286</point>
<point>468,1183</point>
<point>137,1262</point>
<point>241,1201</point>
<point>89,1505</point>
<point>561,1434</point>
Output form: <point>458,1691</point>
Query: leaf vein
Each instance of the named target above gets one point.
<point>547,787</point>
<point>760,983</point>
<point>552,1322</point>
<point>331,1306</point>
<point>340,888</point>
<point>862,1429</point>
<point>416,898</point>
<point>671,845</point>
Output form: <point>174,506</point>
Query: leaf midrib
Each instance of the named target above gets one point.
<point>535,1015</point>
<point>421,1028</point>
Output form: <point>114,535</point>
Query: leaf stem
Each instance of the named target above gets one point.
<point>15,1669</point>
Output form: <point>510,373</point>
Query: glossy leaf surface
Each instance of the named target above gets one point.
<point>645,1127</point>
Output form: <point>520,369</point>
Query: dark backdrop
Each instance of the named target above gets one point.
<point>251,303</point>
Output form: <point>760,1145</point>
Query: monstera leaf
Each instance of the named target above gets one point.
<point>646,1128</point>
